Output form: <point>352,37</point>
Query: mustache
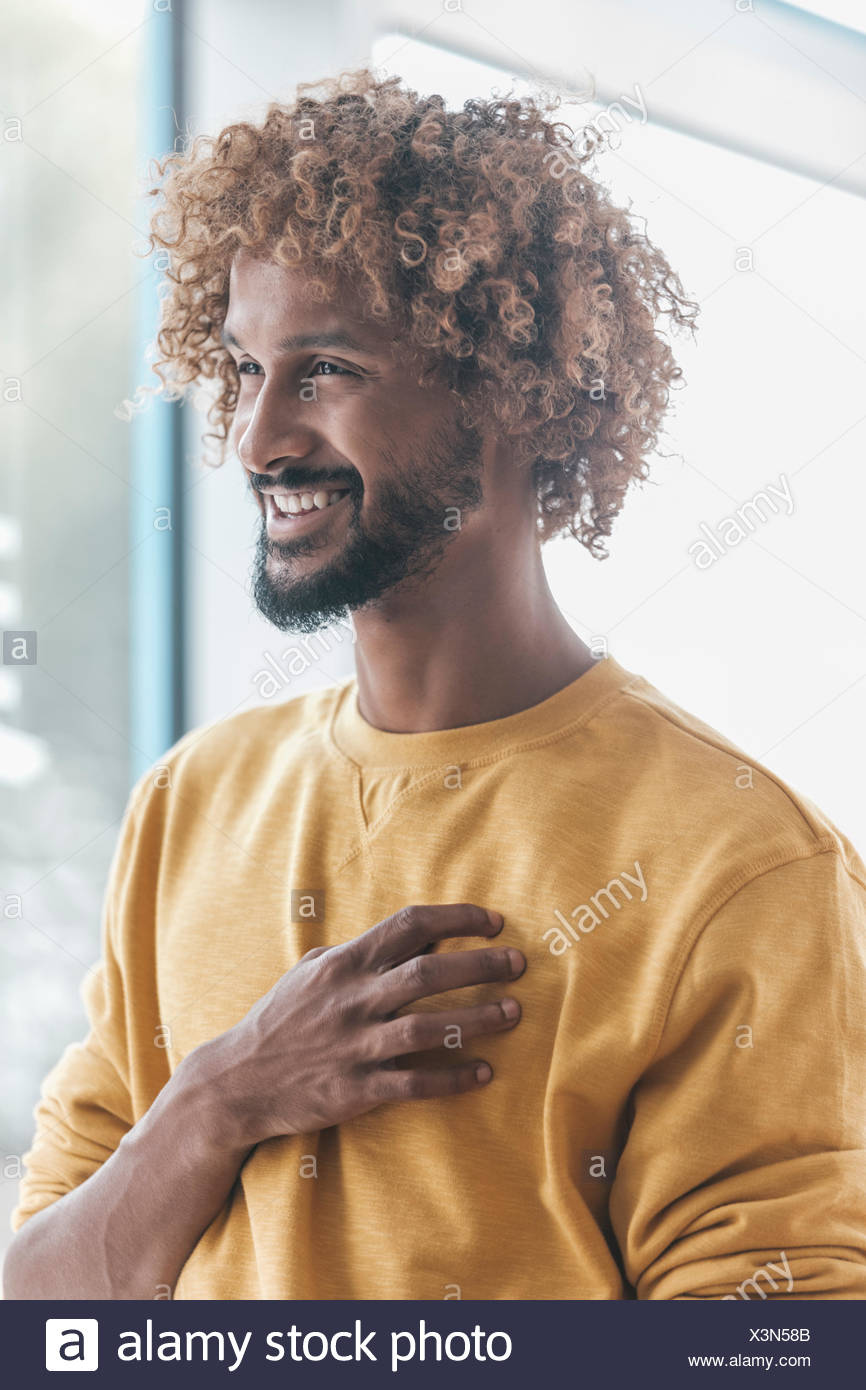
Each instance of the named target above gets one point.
<point>292,479</point>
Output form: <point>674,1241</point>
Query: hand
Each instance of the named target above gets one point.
<point>322,1045</point>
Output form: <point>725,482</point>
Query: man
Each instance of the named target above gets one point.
<point>490,973</point>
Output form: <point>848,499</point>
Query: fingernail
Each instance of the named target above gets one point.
<point>496,918</point>
<point>483,1072</point>
<point>517,962</point>
<point>509,1007</point>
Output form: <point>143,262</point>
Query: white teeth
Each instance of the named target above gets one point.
<point>293,503</point>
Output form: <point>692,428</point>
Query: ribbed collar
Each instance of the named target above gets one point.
<point>368,746</point>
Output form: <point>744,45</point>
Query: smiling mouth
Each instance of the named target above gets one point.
<point>302,503</point>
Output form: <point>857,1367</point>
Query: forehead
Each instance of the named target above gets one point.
<point>275,301</point>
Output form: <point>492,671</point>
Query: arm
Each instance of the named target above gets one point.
<point>127,1231</point>
<point>744,1172</point>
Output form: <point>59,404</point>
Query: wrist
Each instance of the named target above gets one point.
<point>210,1090</point>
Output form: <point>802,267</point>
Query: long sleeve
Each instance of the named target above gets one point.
<point>744,1171</point>
<point>86,1103</point>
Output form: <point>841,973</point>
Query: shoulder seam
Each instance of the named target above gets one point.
<point>723,746</point>
<point>778,860</point>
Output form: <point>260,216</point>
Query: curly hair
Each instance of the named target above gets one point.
<point>478,232</point>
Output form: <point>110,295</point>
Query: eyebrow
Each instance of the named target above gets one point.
<point>338,338</point>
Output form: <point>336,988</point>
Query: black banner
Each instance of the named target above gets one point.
<point>419,1344</point>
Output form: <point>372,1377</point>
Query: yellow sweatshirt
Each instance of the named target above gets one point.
<point>680,1113</point>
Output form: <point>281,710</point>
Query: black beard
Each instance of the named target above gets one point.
<point>414,523</point>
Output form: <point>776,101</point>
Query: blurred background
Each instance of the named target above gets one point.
<point>737,130</point>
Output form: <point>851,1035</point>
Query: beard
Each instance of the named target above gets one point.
<point>413,509</point>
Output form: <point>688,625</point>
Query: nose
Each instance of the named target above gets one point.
<point>273,431</point>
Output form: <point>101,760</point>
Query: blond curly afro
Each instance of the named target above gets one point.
<point>478,233</point>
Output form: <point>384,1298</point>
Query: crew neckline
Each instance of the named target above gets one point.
<point>367,746</point>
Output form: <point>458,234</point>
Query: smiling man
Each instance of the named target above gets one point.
<point>491,972</point>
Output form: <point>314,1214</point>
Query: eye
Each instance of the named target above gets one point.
<point>335,367</point>
<point>248,368</point>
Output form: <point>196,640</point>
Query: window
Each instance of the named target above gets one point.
<point>69,169</point>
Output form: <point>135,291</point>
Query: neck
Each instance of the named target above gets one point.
<point>478,640</point>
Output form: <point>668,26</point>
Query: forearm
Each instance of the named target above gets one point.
<point>128,1230</point>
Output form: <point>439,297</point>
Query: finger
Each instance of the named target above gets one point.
<point>420,1032</point>
<point>436,974</point>
<point>422,1083</point>
<point>412,929</point>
